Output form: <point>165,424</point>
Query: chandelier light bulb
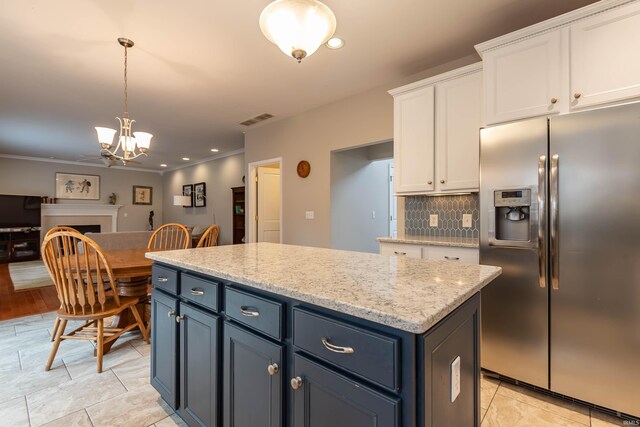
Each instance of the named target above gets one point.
<point>297,27</point>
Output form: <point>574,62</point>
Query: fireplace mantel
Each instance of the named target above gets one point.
<point>68,209</point>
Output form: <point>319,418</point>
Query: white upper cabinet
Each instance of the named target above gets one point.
<point>436,133</point>
<point>458,122</point>
<point>585,58</point>
<point>413,135</point>
<point>524,79</point>
<point>605,59</point>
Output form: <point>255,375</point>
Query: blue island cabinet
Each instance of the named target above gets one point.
<point>225,354</point>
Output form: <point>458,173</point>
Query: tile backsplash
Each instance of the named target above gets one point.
<point>449,210</point>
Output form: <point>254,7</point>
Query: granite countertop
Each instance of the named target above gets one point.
<point>459,242</point>
<point>403,293</point>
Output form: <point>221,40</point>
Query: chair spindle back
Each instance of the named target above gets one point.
<point>210,237</point>
<point>169,236</point>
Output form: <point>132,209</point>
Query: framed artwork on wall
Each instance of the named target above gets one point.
<point>200,194</point>
<point>142,195</point>
<point>187,190</point>
<point>75,186</point>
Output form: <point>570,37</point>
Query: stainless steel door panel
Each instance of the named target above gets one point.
<point>514,306</point>
<point>595,312</point>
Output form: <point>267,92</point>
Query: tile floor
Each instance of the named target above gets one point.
<point>73,394</point>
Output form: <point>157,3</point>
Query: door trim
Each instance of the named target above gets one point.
<point>252,194</point>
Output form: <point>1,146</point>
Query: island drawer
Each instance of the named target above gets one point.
<point>365,353</point>
<point>164,278</point>
<point>256,312</point>
<point>200,291</point>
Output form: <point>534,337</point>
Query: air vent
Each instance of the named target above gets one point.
<point>257,119</point>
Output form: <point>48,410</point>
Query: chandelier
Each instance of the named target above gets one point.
<point>132,145</point>
<point>298,27</point>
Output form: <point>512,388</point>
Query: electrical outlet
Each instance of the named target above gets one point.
<point>433,220</point>
<point>455,379</point>
<point>309,215</point>
<point>466,220</point>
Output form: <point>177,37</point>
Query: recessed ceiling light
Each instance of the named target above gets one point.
<point>335,43</point>
<point>186,159</point>
<point>215,150</point>
<point>51,157</point>
<point>163,165</point>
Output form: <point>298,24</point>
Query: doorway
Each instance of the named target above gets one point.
<point>264,213</point>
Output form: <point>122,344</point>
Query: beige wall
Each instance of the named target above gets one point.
<point>37,178</point>
<point>359,120</point>
<point>220,175</point>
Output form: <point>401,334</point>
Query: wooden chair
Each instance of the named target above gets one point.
<point>210,237</point>
<point>55,229</point>
<point>169,236</point>
<point>85,285</point>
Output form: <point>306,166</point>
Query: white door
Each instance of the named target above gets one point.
<point>458,122</point>
<point>605,65</point>
<point>413,140</point>
<point>268,205</point>
<point>393,207</point>
<point>524,79</point>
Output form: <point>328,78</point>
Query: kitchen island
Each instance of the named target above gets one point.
<point>274,335</point>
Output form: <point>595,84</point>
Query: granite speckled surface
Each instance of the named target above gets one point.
<point>457,242</point>
<point>403,293</point>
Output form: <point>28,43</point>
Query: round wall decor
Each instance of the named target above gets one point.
<point>304,168</point>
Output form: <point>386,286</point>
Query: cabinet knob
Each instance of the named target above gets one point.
<point>273,369</point>
<point>554,100</point>
<point>430,182</point>
<point>296,383</point>
<point>171,314</point>
<point>577,95</point>
<point>179,318</point>
<point>442,181</point>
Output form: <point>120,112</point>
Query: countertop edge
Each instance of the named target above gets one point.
<point>409,241</point>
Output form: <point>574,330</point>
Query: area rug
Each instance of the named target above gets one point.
<point>29,275</point>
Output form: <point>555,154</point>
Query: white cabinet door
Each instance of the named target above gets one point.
<point>525,79</point>
<point>413,145</point>
<point>458,121</point>
<point>453,254</point>
<point>605,64</point>
<point>400,249</point>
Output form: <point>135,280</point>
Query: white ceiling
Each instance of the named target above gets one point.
<point>201,67</point>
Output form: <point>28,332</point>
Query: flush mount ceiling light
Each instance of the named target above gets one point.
<point>335,43</point>
<point>132,145</point>
<point>298,27</point>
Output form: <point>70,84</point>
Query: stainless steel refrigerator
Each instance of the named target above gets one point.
<point>560,213</point>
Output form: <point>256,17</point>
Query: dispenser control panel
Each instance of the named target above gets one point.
<point>512,198</point>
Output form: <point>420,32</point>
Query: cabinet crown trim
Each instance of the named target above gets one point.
<point>551,24</point>
<point>458,72</point>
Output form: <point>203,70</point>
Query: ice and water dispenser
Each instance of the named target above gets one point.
<point>512,218</point>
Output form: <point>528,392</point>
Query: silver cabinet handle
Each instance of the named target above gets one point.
<point>336,348</point>
<point>249,313</point>
<point>577,95</point>
<point>555,268</point>
<point>197,292</point>
<point>179,318</point>
<point>273,369</point>
<point>162,279</point>
<point>296,383</point>
<point>171,314</point>
<point>542,221</point>
<point>399,253</point>
<point>452,258</point>
<point>554,100</point>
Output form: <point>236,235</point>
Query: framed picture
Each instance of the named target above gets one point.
<point>142,195</point>
<point>187,190</point>
<point>74,186</point>
<point>200,194</point>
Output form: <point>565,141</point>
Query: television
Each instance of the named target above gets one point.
<point>19,211</point>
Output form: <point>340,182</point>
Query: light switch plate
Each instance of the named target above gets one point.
<point>309,214</point>
<point>455,379</point>
<point>433,220</point>
<point>466,220</point>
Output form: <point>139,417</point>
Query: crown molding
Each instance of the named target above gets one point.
<point>70,162</point>
<point>458,72</point>
<point>205,160</point>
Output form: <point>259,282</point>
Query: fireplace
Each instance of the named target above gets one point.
<point>84,229</point>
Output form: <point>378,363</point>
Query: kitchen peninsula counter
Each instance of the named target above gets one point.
<point>403,293</point>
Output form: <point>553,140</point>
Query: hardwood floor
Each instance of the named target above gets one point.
<point>24,303</point>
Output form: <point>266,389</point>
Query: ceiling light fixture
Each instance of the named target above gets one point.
<point>132,145</point>
<point>335,43</point>
<point>163,165</point>
<point>186,159</point>
<point>298,27</point>
<point>215,150</point>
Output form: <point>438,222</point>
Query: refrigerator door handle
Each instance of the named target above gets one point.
<point>542,221</point>
<point>555,267</point>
